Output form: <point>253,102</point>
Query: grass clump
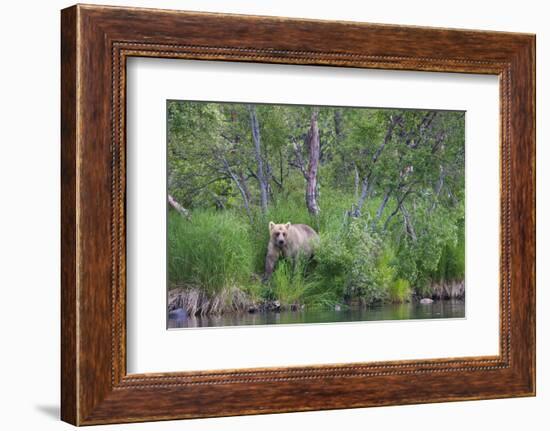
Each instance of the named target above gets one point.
<point>212,250</point>
<point>289,283</point>
<point>297,285</point>
<point>400,291</point>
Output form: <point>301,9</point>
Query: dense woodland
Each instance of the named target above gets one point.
<point>383,187</point>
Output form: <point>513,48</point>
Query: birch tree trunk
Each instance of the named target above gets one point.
<point>262,178</point>
<point>313,167</point>
<point>178,207</point>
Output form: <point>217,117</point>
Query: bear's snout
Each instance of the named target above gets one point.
<point>280,239</point>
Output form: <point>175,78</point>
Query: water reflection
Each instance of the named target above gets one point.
<point>415,310</point>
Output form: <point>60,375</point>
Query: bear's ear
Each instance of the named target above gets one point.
<point>271,224</point>
<point>288,225</point>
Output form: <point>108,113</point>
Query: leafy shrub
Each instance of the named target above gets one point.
<point>437,254</point>
<point>352,263</point>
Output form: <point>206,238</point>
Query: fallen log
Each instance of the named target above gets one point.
<point>178,207</point>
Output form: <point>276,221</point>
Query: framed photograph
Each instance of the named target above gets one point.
<point>264,214</point>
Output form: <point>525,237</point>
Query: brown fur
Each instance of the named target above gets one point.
<point>288,241</point>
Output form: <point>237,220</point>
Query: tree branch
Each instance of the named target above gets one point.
<point>299,162</point>
<point>398,206</point>
<point>409,228</point>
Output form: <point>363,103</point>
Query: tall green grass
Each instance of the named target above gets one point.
<point>452,260</point>
<point>213,251</point>
<point>400,291</point>
<point>289,283</point>
<point>299,285</point>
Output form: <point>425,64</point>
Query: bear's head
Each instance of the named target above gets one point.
<point>278,233</point>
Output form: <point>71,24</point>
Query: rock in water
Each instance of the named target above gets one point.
<point>177,314</point>
<point>426,301</point>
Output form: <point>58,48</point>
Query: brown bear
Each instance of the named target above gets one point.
<point>288,241</point>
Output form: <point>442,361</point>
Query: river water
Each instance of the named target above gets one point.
<point>413,310</point>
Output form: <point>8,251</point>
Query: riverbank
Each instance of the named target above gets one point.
<point>194,302</point>
<point>438,309</point>
<point>191,307</point>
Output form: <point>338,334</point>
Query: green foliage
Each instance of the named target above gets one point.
<point>438,253</point>
<point>299,285</point>
<point>452,260</point>
<point>212,250</point>
<point>364,280</point>
<point>353,264</point>
<point>400,291</point>
<point>289,284</point>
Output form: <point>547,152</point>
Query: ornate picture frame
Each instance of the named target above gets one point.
<point>96,41</point>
